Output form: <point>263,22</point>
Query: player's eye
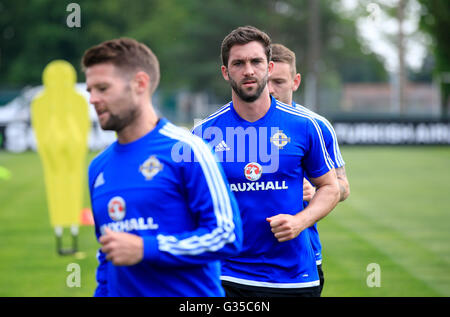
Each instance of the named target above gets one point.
<point>102,88</point>
<point>276,82</point>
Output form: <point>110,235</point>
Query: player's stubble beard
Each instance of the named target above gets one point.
<point>249,97</point>
<point>117,122</point>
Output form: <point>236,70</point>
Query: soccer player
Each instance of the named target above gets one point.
<point>163,222</point>
<point>266,148</point>
<point>283,81</point>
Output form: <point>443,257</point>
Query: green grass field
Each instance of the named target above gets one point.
<point>398,216</point>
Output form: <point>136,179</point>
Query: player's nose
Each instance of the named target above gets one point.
<point>248,70</point>
<point>93,98</point>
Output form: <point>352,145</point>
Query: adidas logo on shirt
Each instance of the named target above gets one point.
<point>222,146</point>
<point>99,180</point>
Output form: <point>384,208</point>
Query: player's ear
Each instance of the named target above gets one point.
<point>224,72</point>
<point>297,81</point>
<point>270,67</point>
<point>141,82</point>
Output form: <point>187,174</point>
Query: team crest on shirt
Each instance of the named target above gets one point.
<point>150,167</point>
<point>116,208</point>
<point>253,171</point>
<point>279,139</point>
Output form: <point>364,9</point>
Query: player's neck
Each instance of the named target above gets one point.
<point>252,111</point>
<point>144,123</point>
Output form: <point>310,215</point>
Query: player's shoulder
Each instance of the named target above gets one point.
<point>212,118</point>
<point>176,133</point>
<point>292,113</point>
<point>187,147</point>
<point>325,125</point>
<point>319,118</point>
<point>183,136</point>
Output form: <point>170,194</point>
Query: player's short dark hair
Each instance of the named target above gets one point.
<point>282,54</point>
<point>243,35</point>
<point>126,54</point>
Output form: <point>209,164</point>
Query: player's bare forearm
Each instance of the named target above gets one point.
<point>286,227</point>
<point>324,200</point>
<point>344,186</point>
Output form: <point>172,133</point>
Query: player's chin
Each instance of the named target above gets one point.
<point>249,96</point>
<point>107,125</point>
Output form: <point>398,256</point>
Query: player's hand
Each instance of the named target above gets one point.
<point>122,248</point>
<point>285,227</point>
<point>308,190</point>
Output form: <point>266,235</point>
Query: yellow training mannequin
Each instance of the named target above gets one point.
<point>60,119</point>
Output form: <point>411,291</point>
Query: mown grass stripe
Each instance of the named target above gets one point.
<point>347,253</point>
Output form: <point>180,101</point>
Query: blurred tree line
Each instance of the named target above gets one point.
<point>435,20</point>
<point>184,34</point>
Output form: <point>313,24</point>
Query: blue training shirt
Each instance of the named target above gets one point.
<point>183,210</point>
<point>265,162</point>
<point>333,150</point>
